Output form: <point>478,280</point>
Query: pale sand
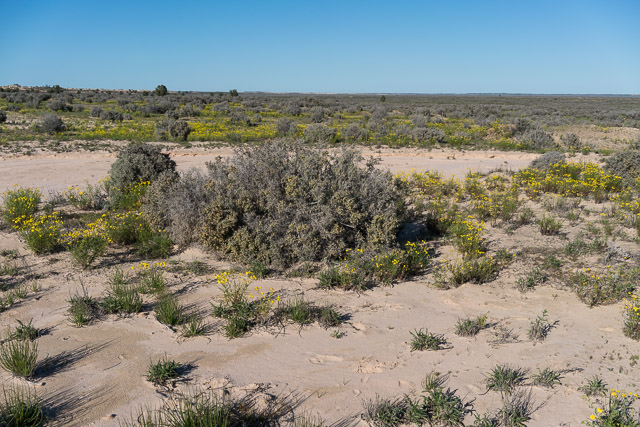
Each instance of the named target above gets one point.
<point>333,376</point>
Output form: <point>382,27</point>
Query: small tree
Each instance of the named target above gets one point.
<point>161,90</point>
<point>383,98</point>
<point>233,92</point>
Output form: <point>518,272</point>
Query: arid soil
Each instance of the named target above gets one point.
<point>101,380</point>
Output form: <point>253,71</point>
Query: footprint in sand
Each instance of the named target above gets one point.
<point>369,365</point>
<point>322,359</point>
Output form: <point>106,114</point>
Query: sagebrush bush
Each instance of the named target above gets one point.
<point>171,129</point>
<point>176,203</point>
<point>537,139</point>
<point>545,161</point>
<point>625,164</point>
<point>139,162</point>
<point>51,123</point>
<point>281,203</point>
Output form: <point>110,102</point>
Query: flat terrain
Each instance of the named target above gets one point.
<point>101,379</point>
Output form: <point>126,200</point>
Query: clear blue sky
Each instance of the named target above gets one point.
<point>516,46</point>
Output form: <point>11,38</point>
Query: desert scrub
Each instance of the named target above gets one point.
<point>435,406</point>
<point>549,225</point>
<point>281,203</point>
<point>303,312</point>
<point>608,287</point>
<point>532,279</point>
<point>19,357</point>
<point>455,273</point>
<point>471,327</point>
<point>24,331</point>
<point>21,407</point>
<point>21,202</point>
<point>122,298</point>
<point>42,233</point>
<point>540,327</point>
<point>138,162</point>
<point>546,378</point>
<point>83,309</point>
<point>618,409</point>
<point>169,311</point>
<point>631,322</point>
<point>466,236</point>
<point>200,408</point>
<point>242,310</point>
<point>163,371</point>
<point>362,268</point>
<point>151,278</point>
<point>505,378</point>
<point>422,339</point>
<point>85,249</point>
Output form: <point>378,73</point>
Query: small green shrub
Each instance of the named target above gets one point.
<point>424,340</point>
<point>516,409</point>
<point>169,311</point>
<point>152,281</point>
<point>21,407</point>
<point>19,357</point>
<point>86,249</point>
<point>22,202</point>
<point>122,298</point>
<point>594,387</point>
<point>529,282</point>
<point>24,331</point>
<point>83,309</point>
<point>546,160</point>
<point>471,327</point>
<point>505,378</point>
<point>594,288</point>
<point>549,225</point>
<point>194,326</point>
<point>163,371</point>
<point>540,327</point>
<point>174,130</point>
<point>42,233</point>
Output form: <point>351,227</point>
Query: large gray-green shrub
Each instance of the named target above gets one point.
<point>139,162</point>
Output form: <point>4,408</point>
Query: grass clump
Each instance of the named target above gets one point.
<point>516,409</point>
<point>24,331</point>
<point>435,406</point>
<point>471,327</point>
<point>122,298</point>
<point>303,312</point>
<point>208,409</point>
<point>422,339</point>
<point>529,282</point>
<point>194,326</point>
<point>504,378</point>
<point>19,357</point>
<point>83,309</point>
<point>546,378</point>
<point>21,407</point>
<point>86,249</point>
<point>594,387</point>
<point>169,311</point>
<point>549,225</point>
<point>540,327</point>
<point>163,371</point>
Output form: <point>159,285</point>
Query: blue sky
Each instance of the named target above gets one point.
<point>516,46</point>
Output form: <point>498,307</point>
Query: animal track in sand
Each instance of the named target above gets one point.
<point>369,365</point>
<point>322,359</point>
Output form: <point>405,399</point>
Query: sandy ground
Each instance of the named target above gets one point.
<point>59,171</point>
<point>103,381</point>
